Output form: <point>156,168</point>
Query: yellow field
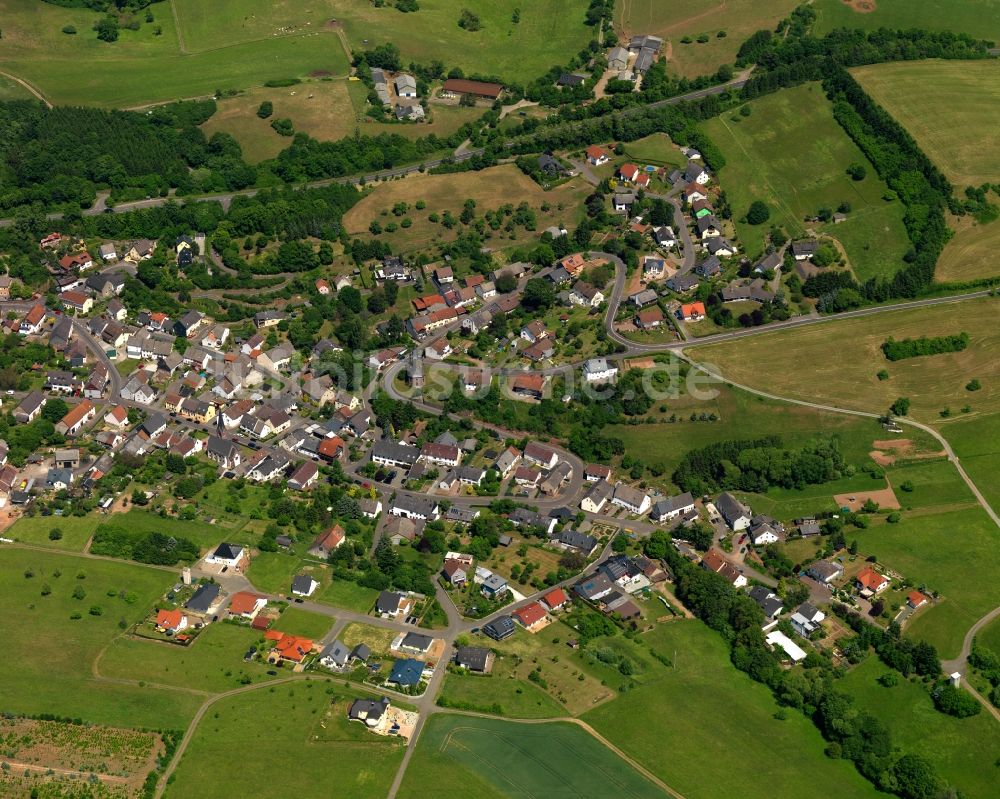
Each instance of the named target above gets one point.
<point>490,189</point>
<point>952,109</point>
<point>843,359</point>
<point>972,252</point>
<point>673,20</point>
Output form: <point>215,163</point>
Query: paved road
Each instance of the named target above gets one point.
<point>225,199</point>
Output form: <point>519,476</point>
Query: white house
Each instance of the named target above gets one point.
<point>232,556</point>
<point>598,370</point>
<point>776,638</point>
<point>632,499</point>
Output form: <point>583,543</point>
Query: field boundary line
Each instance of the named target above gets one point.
<point>181,46</point>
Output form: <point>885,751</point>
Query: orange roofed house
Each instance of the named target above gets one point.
<point>528,385</point>
<point>73,421</point>
<point>555,599</point>
<point>171,620</point>
<point>326,542</point>
<point>532,617</point>
<point>597,155</point>
<point>288,647</point>
<point>870,582</point>
<point>574,264</point>
<point>693,311</point>
<point>246,604</point>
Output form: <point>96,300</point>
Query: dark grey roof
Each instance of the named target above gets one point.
<point>730,507</point>
<point>417,641</point>
<point>301,583</point>
<point>337,652</point>
<point>388,602</point>
<point>472,657</point>
<point>397,453</point>
<point>365,709</point>
<point>361,652</point>
<point>710,266</point>
<point>577,540</point>
<point>500,628</point>
<point>227,551</point>
<point>204,598</point>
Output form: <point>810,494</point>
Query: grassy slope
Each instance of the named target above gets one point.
<point>673,21</point>
<point>979,18</point>
<point>977,442</point>
<point>464,756</point>
<point>214,662</point>
<point>304,623</point>
<point>52,674</point>
<point>955,553</point>
<point>550,32</point>
<point>844,357</point>
<point>141,67</point>
<point>791,153</point>
<point>76,530</point>
<point>519,699</point>
<point>490,188</point>
<point>280,731</point>
<point>951,108</point>
<point>963,750</point>
<point>685,724</point>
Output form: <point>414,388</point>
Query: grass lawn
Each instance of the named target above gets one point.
<point>490,188</point>
<point>549,32</point>
<point>35,530</point>
<point>964,751</point>
<point>465,756</point>
<point>213,662</point>
<point>845,356</point>
<point>345,594</point>
<point>518,699</point>
<point>325,109</point>
<point>655,149</point>
<point>989,636</point>
<point>976,439</point>
<point>673,21</point>
<point>56,677</point>
<point>937,550</point>
<point>935,484</point>
<point>142,67</point>
<point>228,22</point>
<point>741,415</point>
<point>301,622</point>
<point>311,751</point>
<point>685,723</point>
<point>12,90</point>
<point>971,253</point>
<point>979,18</point>
<point>959,110</point>
<point>792,154</point>
<point>205,535</point>
<point>273,571</point>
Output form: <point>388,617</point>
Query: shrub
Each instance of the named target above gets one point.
<point>973,385</point>
<point>857,171</point>
<point>55,534</point>
<point>265,109</point>
<point>70,30</point>
<point>283,127</point>
<point>469,21</point>
<point>955,702</point>
<point>883,374</point>
<point>758,213</point>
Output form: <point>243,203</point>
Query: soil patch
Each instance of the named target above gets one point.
<point>886,499</point>
<point>320,73</point>
<point>881,458</point>
<point>861,6</point>
<point>639,363</point>
<point>895,443</point>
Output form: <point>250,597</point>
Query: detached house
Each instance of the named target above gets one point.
<point>597,155</point>
<point>73,422</point>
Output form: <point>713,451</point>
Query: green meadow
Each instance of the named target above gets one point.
<point>793,155</point>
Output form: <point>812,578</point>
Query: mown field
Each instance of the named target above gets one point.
<point>213,662</point>
<point>954,553</point>
<point>971,253</point>
<point>489,188</point>
<point>951,108</point>
<point>980,18</point>
<point>793,155</point>
<point>56,652</point>
<point>325,109</point>
<point>143,67</point>
<point>296,735</point>
<point>549,32</point>
<point>977,442</point>
<point>466,756</point>
<point>963,751</point>
<point>695,716</point>
<point>674,21</point>
<point>844,358</point>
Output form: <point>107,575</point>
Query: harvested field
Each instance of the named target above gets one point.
<point>886,499</point>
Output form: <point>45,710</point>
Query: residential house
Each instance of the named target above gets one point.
<point>644,297</point>
<point>303,585</point>
<point>595,472</point>
<point>825,571</point>
<point>406,673</point>
<point>556,599</point>
<point>720,246</point>
<point>672,507</point>
<point>692,311</point>
<point>575,540</point>
<point>869,582</point>
<point>506,461</point>
<point>597,156</point>
<point>806,619</point>
<point>246,604</point>
<point>598,370</point>
<point>586,294</point>
<point>328,542</point>
<point>415,507</point>
<point>708,226</point>
<point>500,628</point>
<point>767,601</point>
<point>735,513</point>
<point>30,407</point>
<point>532,616</point>
<point>206,597</point>
<point>31,324</point>
<point>171,621</point>
<point>393,604</point>
<point>632,499</point>
<point>304,476</point>
<point>474,658</point>
<point>76,418</point>
<point>714,561</point>
<point>223,451</point>
<point>494,587</point>
<point>455,573</point>
<point>232,556</point>
<point>597,497</point>
<point>650,319</point>
<point>804,250</point>
<point>664,237</point>
<point>540,455</point>
<point>268,469</point>
<point>531,386</point>
<point>140,250</point>
<point>710,267</point>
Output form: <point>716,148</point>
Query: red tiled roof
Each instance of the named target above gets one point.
<point>331,538</point>
<point>169,619</point>
<point>530,614</point>
<point>555,598</point>
<point>243,602</point>
<point>870,579</point>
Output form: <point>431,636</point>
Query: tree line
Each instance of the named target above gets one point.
<point>915,347</point>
